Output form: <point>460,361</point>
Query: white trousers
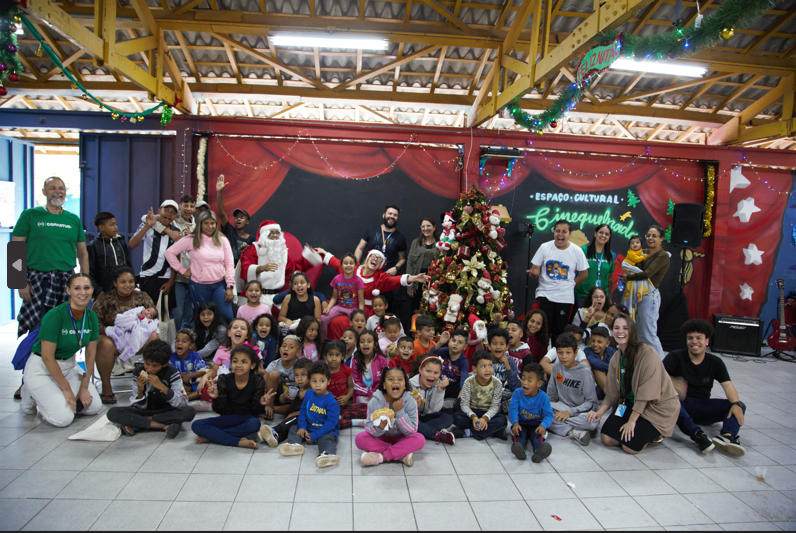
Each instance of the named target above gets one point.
<point>48,395</point>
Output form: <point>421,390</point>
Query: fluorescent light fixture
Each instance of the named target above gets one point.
<point>320,40</point>
<point>660,67</point>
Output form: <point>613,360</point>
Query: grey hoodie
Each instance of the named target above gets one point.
<point>573,386</point>
<point>405,419</point>
<point>433,396</point>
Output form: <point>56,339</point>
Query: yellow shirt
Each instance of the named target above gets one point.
<point>635,257</point>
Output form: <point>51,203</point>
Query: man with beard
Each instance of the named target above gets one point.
<point>267,261</point>
<point>237,235</point>
<point>392,244</point>
<point>56,241</point>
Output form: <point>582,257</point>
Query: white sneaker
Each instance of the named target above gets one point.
<point>323,460</point>
<point>129,365</point>
<point>267,435</point>
<point>118,369</point>
<point>28,405</point>
<point>580,436</point>
<point>291,449</point>
<point>408,460</point>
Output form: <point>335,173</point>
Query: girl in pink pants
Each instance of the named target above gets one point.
<point>398,440</point>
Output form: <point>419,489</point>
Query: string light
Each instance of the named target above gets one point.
<point>218,140</point>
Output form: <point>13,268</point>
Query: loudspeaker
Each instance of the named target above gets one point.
<point>688,225</point>
<point>740,335</point>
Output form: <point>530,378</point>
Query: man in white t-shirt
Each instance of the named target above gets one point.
<point>560,267</point>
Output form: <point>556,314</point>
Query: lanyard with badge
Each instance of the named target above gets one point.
<point>599,268</point>
<point>384,240</point>
<point>620,411</point>
<point>78,332</point>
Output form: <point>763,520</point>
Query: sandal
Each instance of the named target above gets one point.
<point>128,431</point>
<point>108,399</point>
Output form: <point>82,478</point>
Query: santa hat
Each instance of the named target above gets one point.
<point>435,286</point>
<point>475,324</point>
<point>268,225</point>
<point>378,254</point>
<point>496,213</point>
<point>487,276</point>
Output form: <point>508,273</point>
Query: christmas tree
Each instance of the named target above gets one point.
<point>468,276</point>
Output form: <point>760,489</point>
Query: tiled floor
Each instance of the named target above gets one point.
<point>147,483</point>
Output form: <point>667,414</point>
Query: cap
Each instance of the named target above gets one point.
<point>235,212</point>
<point>171,203</point>
<point>202,203</point>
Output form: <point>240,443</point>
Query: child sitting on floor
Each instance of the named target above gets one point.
<point>518,349</point>
<point>348,293</point>
<point>132,329</point>
<point>254,307</point>
<point>367,367</point>
<point>428,390</point>
<point>405,355</point>
<point>190,365</point>
<point>454,365</point>
<point>350,337</point>
<point>599,353</point>
<point>425,335</point>
<point>301,374</point>
<point>280,377</point>
<point>504,368</point>
<point>309,331</point>
<point>238,334</point>
<point>159,400</point>
<point>357,320</point>
<point>317,421</point>
<point>379,306</point>
<point>480,415</point>
<point>265,337</point>
<point>389,342</point>
<point>390,438</point>
<point>239,397</point>
<point>572,393</point>
<point>551,356</point>
<point>530,415</point>
<point>210,330</point>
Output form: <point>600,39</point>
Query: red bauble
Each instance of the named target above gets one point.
<point>3,91</point>
<point>484,248</point>
<point>13,77</point>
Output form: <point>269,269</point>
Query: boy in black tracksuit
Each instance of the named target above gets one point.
<point>105,253</point>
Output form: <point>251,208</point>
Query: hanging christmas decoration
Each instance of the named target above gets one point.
<point>632,199</point>
<point>670,207</point>
<point>201,178</point>
<point>10,65</point>
<point>685,41</point>
<point>710,197</point>
<point>668,235</point>
<point>165,116</point>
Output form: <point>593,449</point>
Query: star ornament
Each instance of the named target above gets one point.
<point>746,292</point>
<point>753,256</point>
<point>737,179</point>
<point>745,209</point>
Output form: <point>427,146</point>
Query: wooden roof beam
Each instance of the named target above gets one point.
<point>668,88</point>
<point>732,130</point>
<point>187,54</point>
<point>288,109</point>
<point>442,52</point>
<point>439,8</point>
<point>774,28</point>
<point>647,15</point>
<point>384,68</point>
<point>738,92</point>
<point>382,116</point>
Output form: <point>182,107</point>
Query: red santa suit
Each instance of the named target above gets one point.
<point>286,254</point>
<point>376,284</point>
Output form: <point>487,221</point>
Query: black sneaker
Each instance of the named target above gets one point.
<point>542,453</point>
<point>729,445</point>
<point>502,434</point>
<point>457,432</point>
<point>519,451</point>
<point>172,430</point>
<point>18,393</point>
<point>704,442</point>
<point>593,433</point>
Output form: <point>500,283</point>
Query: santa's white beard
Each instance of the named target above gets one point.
<point>272,251</point>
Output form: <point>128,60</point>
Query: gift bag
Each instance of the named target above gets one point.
<point>167,330</point>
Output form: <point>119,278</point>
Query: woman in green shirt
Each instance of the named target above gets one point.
<point>52,380</point>
<point>601,264</point>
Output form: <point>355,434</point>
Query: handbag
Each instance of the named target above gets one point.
<point>24,349</point>
<point>100,431</point>
<point>167,329</point>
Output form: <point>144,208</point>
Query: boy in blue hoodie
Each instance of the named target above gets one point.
<point>530,414</point>
<point>598,354</point>
<point>317,421</point>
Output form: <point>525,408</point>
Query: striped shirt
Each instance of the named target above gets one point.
<point>155,245</point>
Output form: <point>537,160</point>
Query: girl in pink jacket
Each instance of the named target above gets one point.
<point>367,367</point>
<point>212,272</point>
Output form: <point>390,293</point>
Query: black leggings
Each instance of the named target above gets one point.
<point>643,434</point>
<point>558,316</point>
<point>137,418</point>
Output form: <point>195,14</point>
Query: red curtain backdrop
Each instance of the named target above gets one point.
<point>655,185</point>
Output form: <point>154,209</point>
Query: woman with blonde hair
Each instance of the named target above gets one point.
<point>212,272</point>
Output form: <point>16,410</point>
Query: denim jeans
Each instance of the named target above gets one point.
<point>226,429</point>
<point>183,310</point>
<point>528,431</point>
<point>707,411</point>
<point>201,292</point>
<point>647,320</point>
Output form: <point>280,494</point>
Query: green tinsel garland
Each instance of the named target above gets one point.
<point>733,15</point>
<point>9,14</point>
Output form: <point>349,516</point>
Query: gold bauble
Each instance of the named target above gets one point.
<point>455,245</point>
<point>450,277</point>
<point>114,116</point>
<point>441,313</point>
<point>726,33</point>
<point>133,120</point>
<point>478,254</point>
<point>141,118</point>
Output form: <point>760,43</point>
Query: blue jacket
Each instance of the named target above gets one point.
<point>319,415</point>
<point>267,348</point>
<point>595,361</point>
<point>530,409</point>
<point>189,365</point>
<point>509,377</point>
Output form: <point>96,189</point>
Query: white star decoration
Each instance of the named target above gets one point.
<point>752,255</point>
<point>745,209</point>
<point>737,179</point>
<point>746,292</point>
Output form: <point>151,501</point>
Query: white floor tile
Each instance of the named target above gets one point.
<point>333,489</point>
<point>498,487</point>
<point>618,512</point>
<point>724,508</point>
<point>736,479</point>
<point>246,516</point>
<point>381,490</point>
<point>672,510</point>
<point>435,489</point>
<point>641,482</point>
<point>153,487</point>
<point>18,512</point>
<point>752,526</point>
<point>132,516</point>
<point>38,484</point>
<point>67,515</point>
<point>458,516</point>
<point>333,516</point>
<point>593,484</point>
<point>181,515</point>
<point>771,505</point>
<point>210,488</point>
<point>480,463</point>
<point>689,481</point>
<point>542,486</point>
<point>510,512</point>
<point>384,517</point>
<point>563,515</point>
<point>95,486</point>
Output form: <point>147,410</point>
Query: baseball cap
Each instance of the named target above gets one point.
<point>171,203</point>
<point>235,212</point>
<point>201,203</point>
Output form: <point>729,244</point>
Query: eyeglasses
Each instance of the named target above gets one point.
<point>652,236</point>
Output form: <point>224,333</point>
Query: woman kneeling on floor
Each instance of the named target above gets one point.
<point>638,391</point>
<point>52,380</point>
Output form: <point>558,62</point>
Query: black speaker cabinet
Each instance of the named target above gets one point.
<point>740,335</point>
<point>688,225</point>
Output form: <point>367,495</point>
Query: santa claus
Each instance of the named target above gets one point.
<point>375,280</point>
<point>273,258</point>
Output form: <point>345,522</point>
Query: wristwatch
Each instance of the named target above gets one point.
<point>736,403</point>
<point>231,288</point>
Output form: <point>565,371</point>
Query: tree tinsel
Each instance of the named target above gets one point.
<point>689,40</point>
<point>10,66</point>
<point>165,117</point>
<point>115,113</point>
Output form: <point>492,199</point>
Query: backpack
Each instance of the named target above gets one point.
<point>24,349</point>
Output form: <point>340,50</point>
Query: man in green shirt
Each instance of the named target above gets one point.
<point>56,241</point>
